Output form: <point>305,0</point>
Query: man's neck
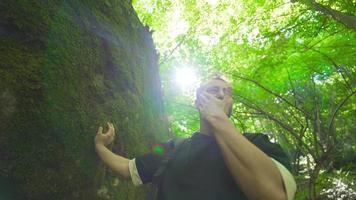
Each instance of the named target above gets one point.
<point>205,128</point>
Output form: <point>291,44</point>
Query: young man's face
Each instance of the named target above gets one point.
<point>221,90</point>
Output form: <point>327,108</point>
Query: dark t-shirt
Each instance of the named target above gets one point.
<point>198,170</point>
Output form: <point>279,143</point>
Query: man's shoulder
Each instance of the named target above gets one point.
<point>259,139</point>
<point>253,136</point>
<point>177,142</point>
<point>273,150</point>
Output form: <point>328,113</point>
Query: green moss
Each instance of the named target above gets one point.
<point>81,64</point>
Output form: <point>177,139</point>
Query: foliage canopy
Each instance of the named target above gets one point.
<point>292,65</point>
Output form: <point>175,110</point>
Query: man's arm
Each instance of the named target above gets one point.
<point>252,170</point>
<point>255,173</point>
<point>118,164</point>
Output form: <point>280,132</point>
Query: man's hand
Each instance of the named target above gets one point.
<point>210,107</point>
<point>117,163</point>
<point>105,138</point>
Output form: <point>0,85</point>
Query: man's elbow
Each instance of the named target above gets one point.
<point>122,170</point>
<point>275,195</point>
<point>126,172</point>
<point>280,195</point>
<point>267,192</point>
<point>127,177</point>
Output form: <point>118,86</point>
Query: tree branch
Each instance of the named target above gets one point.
<point>348,20</point>
<point>319,41</point>
<point>280,123</point>
<point>336,66</point>
<point>338,108</point>
<point>166,57</point>
<point>294,96</point>
<point>275,94</point>
<point>317,121</point>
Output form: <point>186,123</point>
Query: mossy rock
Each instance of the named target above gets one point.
<point>66,68</point>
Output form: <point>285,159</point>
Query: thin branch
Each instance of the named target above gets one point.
<point>240,122</point>
<point>190,31</point>
<point>281,124</point>
<point>293,88</point>
<point>336,66</point>
<point>338,108</point>
<point>249,113</point>
<point>166,57</point>
<point>294,96</point>
<point>302,131</point>
<point>317,120</point>
<point>275,94</point>
<point>286,28</point>
<point>322,39</point>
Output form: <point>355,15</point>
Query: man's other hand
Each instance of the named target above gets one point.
<point>105,138</point>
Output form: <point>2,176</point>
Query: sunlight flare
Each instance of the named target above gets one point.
<point>186,78</point>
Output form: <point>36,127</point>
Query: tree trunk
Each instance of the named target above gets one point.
<point>66,68</point>
<point>313,181</point>
<point>349,20</point>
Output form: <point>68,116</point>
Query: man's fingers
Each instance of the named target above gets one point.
<point>109,126</point>
<point>207,95</point>
<point>203,98</point>
<point>112,128</point>
<point>200,107</point>
<point>100,130</point>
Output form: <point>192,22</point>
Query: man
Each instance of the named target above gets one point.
<point>216,163</point>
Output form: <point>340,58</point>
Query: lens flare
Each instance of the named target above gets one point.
<point>159,149</point>
<point>186,78</point>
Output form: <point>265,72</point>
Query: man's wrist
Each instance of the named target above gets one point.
<point>99,145</point>
<point>217,120</point>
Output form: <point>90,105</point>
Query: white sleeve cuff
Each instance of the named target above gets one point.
<point>135,177</point>
<point>288,180</point>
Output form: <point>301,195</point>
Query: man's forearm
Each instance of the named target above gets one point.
<point>118,164</point>
<point>252,170</point>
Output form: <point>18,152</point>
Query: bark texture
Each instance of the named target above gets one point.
<point>347,19</point>
<point>66,68</point>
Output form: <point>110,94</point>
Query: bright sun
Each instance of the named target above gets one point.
<point>186,78</point>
